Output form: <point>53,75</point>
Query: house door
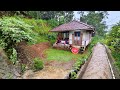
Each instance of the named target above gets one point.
<point>77,38</point>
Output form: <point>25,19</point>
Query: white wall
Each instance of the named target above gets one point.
<point>70,37</point>
<point>85,35</point>
<point>85,38</point>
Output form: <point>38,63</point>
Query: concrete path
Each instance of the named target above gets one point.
<point>98,67</point>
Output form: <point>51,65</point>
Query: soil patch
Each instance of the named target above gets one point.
<point>49,72</point>
<point>37,50</point>
<point>65,65</point>
<point>52,69</point>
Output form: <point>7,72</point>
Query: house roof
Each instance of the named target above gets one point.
<point>73,25</point>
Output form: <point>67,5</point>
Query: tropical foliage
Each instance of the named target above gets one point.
<point>113,41</point>
<point>16,29</point>
<point>12,31</point>
<point>95,18</point>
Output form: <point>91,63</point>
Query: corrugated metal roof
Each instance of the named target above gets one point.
<point>73,25</point>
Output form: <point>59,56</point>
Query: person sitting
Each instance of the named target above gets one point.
<point>66,40</point>
<point>58,41</point>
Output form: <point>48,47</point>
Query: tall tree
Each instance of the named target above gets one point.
<point>69,15</point>
<point>95,18</point>
<point>11,13</point>
<point>47,15</point>
<point>81,15</point>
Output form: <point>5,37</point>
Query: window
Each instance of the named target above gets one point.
<point>66,34</point>
<point>77,34</point>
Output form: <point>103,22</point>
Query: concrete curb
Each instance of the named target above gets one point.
<point>111,69</point>
<point>115,72</point>
<point>67,76</point>
<point>84,66</point>
<point>82,69</point>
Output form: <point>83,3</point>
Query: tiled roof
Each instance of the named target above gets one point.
<point>73,25</point>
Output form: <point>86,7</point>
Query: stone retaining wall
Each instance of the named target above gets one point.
<point>6,68</point>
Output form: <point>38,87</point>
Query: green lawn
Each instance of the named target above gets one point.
<point>62,55</point>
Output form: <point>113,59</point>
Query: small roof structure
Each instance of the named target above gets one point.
<point>73,25</point>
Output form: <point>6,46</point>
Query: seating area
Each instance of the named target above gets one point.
<point>63,44</point>
<point>65,41</point>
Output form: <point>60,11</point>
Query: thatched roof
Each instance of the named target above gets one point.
<point>73,25</point>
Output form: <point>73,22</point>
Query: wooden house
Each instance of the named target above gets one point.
<point>74,34</point>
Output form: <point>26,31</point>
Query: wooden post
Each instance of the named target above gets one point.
<point>73,39</point>
<point>81,36</point>
<point>77,40</point>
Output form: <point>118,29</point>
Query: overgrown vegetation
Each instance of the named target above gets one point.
<point>16,29</point>
<point>41,30</point>
<point>113,42</point>
<point>39,26</point>
<point>29,26</point>
<point>12,31</point>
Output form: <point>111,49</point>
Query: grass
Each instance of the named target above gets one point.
<point>65,56</point>
<point>62,55</point>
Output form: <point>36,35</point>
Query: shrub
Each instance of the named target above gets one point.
<point>40,26</point>
<point>13,56</point>
<point>113,38</point>
<point>113,42</point>
<point>73,75</point>
<point>23,68</point>
<point>53,23</point>
<point>12,31</point>
<point>38,64</point>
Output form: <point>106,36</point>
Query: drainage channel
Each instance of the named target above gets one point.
<point>111,69</point>
<point>83,68</point>
<point>115,72</point>
<point>99,66</point>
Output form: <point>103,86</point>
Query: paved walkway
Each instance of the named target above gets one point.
<point>98,68</point>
